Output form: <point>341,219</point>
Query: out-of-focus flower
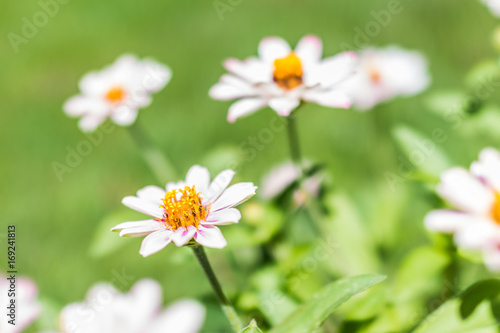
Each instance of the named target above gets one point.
<point>185,210</point>
<point>106,310</point>
<point>493,5</point>
<point>281,78</point>
<point>281,177</point>
<point>476,194</point>
<point>27,309</point>
<point>384,74</point>
<point>117,92</point>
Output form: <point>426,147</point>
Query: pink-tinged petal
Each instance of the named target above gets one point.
<point>80,105</point>
<point>185,316</point>
<point>182,235</point>
<point>218,185</point>
<point>331,98</point>
<point>465,191</point>
<point>155,242</point>
<point>309,49</point>
<point>272,48</point>
<point>75,318</point>
<point>124,115</point>
<point>199,177</point>
<point>151,193</point>
<point>134,224</point>
<point>252,69</point>
<point>448,221</point>
<point>90,122</point>
<point>223,217</point>
<point>224,91</point>
<point>278,180</point>
<point>332,70</point>
<point>210,236</point>
<point>234,195</point>
<point>146,296</point>
<point>491,256</point>
<point>488,167</point>
<point>142,230</point>
<point>143,206</point>
<point>244,107</point>
<point>283,105</point>
<point>478,235</point>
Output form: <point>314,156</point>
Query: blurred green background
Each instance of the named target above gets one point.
<point>59,223</point>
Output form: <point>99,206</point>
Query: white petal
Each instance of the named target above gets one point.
<point>134,224</point>
<point>332,70</point>
<point>488,167</point>
<point>151,193</point>
<point>244,107</point>
<point>478,235</point>
<point>283,105</point>
<point>223,217</point>
<point>210,236</point>
<point>252,69</point>
<point>156,75</point>
<point>90,122</point>
<point>143,206</point>
<point>309,49</point>
<point>183,235</point>
<point>491,257</point>
<point>278,180</point>
<point>199,177</point>
<point>218,185</point>
<point>148,227</point>
<point>331,98</point>
<point>185,316</point>
<point>465,191</point>
<point>224,91</point>
<point>175,185</point>
<point>234,195</point>
<point>146,296</point>
<point>124,115</point>
<point>80,105</point>
<point>155,242</point>
<point>448,221</point>
<point>272,48</point>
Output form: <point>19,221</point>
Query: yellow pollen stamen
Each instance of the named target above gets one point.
<point>183,208</point>
<point>495,211</point>
<point>288,72</point>
<point>115,94</point>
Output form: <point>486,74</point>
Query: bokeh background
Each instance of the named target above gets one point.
<point>62,226</point>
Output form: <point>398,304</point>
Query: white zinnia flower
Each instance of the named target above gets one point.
<point>185,210</point>
<point>106,310</point>
<point>117,91</point>
<point>27,307</point>
<point>384,74</point>
<point>476,194</point>
<point>493,5</point>
<point>281,78</point>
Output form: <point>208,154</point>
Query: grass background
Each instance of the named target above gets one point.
<point>56,221</point>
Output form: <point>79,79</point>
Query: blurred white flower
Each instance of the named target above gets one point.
<point>117,91</point>
<point>281,78</point>
<point>106,310</point>
<point>185,210</point>
<point>27,309</point>
<point>476,194</point>
<point>282,176</point>
<point>493,5</point>
<point>384,74</point>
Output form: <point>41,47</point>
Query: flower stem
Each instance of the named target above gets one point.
<point>293,140</point>
<point>228,309</point>
<point>159,164</point>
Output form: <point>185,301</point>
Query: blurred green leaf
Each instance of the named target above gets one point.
<point>446,319</point>
<point>477,293</point>
<point>222,157</point>
<point>252,328</point>
<point>315,311</point>
<point>482,74</point>
<point>446,102</point>
<point>423,152</point>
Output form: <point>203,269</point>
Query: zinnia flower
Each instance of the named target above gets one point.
<point>190,209</point>
<point>106,310</point>
<point>27,307</point>
<point>384,74</point>
<point>476,194</point>
<point>117,92</point>
<point>281,78</point>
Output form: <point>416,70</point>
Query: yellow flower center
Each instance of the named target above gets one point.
<point>115,94</point>
<point>288,72</point>
<point>183,208</point>
<point>495,211</point>
<point>375,75</point>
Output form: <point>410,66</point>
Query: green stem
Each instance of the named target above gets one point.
<point>293,140</point>
<point>228,309</point>
<point>159,164</point>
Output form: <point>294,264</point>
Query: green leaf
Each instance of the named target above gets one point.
<point>315,311</point>
<point>252,328</point>
<point>444,103</point>
<point>446,319</point>
<point>475,294</point>
<point>423,152</point>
